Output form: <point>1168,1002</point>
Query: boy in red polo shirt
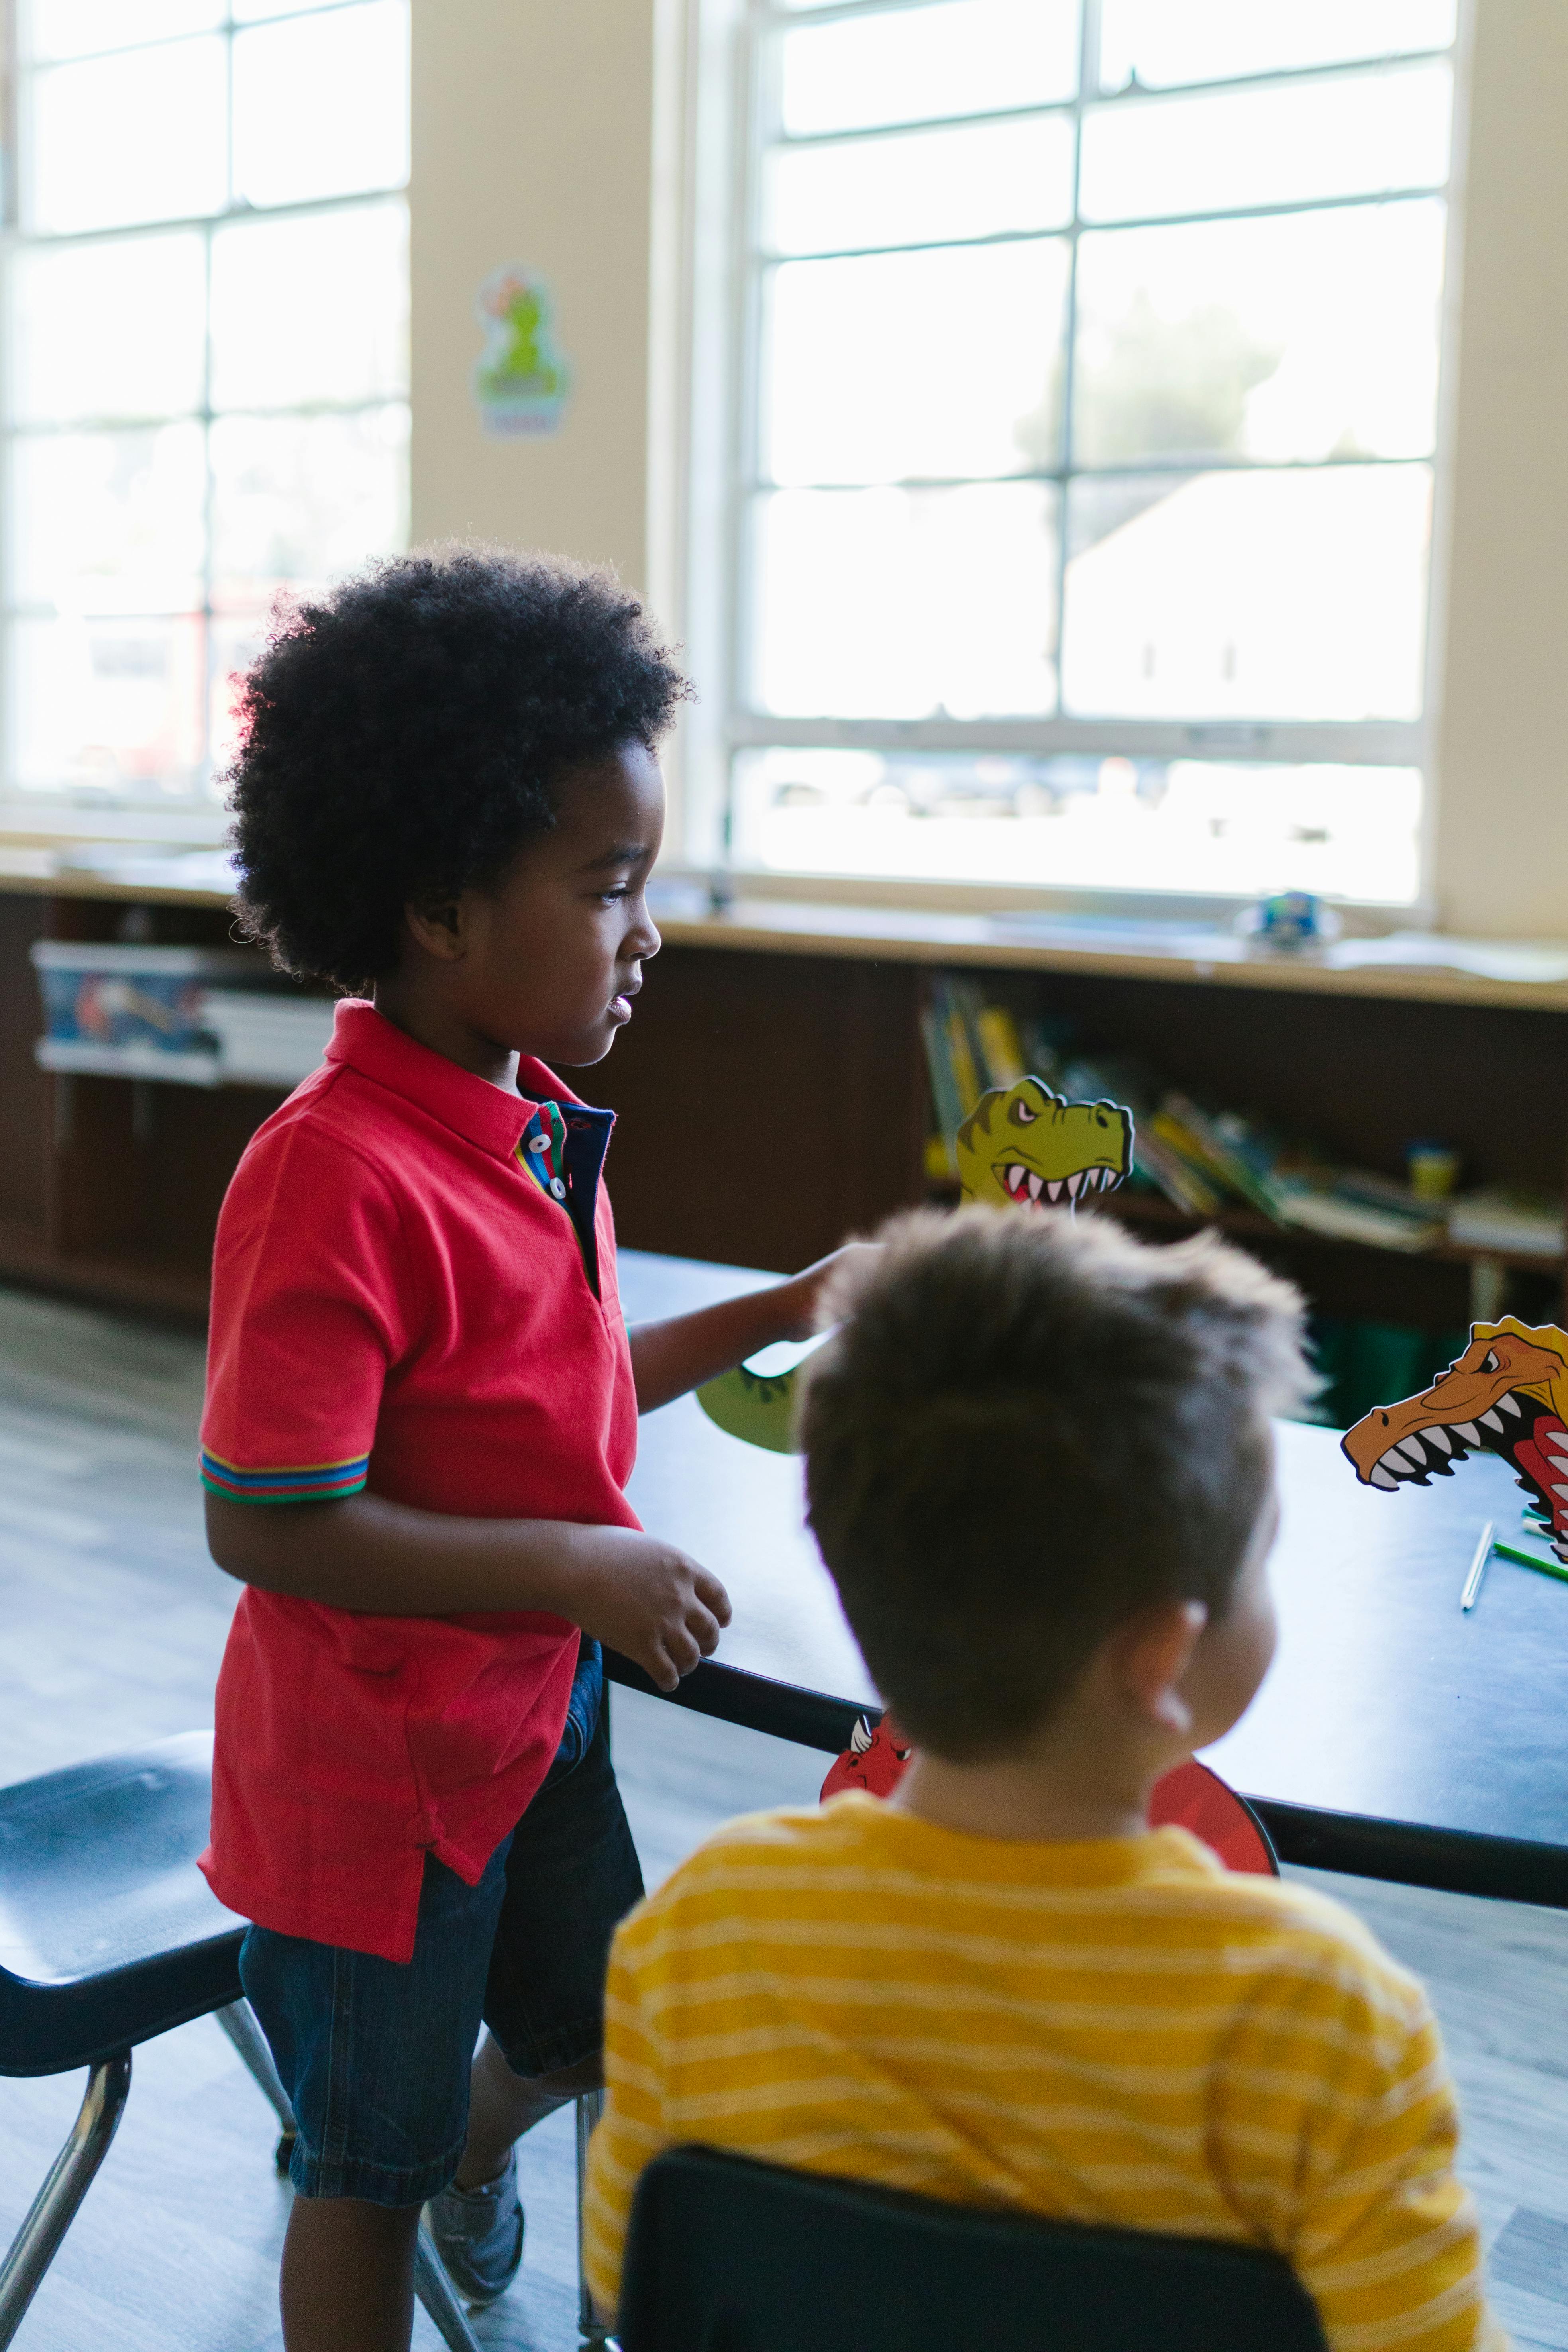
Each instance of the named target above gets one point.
<point>422,1401</point>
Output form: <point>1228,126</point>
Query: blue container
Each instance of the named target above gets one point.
<point>136,1010</point>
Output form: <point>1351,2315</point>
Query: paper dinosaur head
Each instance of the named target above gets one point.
<point>1021,1146</point>
<point>1507,1393</point>
<point>1024,1147</point>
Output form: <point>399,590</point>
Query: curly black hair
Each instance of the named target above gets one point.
<point>403,736</point>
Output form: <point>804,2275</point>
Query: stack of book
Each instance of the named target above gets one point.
<point>1510,1219</point>
<point>1205,1158</point>
<point>970,1047</point>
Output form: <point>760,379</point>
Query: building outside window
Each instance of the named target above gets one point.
<point>1084,437</point>
<point>205,363</point>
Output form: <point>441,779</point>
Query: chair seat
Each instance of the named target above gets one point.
<point>109,1933</point>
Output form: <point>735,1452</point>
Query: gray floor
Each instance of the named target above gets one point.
<point>114,1621</point>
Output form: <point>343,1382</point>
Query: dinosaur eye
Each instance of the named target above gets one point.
<point>1021,1113</point>
<point>1491,1362</point>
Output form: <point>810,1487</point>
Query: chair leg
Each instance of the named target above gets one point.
<point>434,2289</point>
<point>37,2241</point>
<point>238,2021</point>
<point>590,2107</point>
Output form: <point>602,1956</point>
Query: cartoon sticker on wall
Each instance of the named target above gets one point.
<point>521,377</point>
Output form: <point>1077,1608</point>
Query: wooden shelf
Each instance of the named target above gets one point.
<point>781,917</point>
<point>1153,1212</point>
<point>147,1284</point>
<point>771,1097</point>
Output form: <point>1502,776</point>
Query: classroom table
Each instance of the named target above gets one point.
<point>1395,1737</point>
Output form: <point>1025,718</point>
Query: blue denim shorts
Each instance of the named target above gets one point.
<point>374,2054</point>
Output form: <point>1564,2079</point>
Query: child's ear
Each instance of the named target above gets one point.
<point>440,930</point>
<point>1155,1650</point>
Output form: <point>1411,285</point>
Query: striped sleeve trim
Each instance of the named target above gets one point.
<point>313,1482</point>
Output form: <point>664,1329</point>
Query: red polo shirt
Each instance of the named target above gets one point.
<point>397,1304</point>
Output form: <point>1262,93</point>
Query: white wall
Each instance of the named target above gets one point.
<point>1501,815</point>
<point>533,141</point>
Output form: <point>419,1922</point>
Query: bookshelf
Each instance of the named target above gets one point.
<point>772,1093</point>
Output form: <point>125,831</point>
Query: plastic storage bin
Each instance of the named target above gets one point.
<point>131,1012</point>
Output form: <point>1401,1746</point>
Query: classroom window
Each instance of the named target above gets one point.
<point>206,382</point>
<point>1087,423</point>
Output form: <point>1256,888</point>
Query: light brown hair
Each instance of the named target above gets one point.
<point>1027,1429</point>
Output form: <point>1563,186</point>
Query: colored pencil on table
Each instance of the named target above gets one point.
<point>1533,1559</point>
<point>1471,1592</point>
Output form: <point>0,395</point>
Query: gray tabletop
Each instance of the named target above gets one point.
<point>1442,1736</point>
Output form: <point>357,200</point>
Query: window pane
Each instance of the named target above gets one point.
<point>298,500</point>
<point>1311,336</point>
<point>910,364</point>
<point>115,704</point>
<point>917,187</point>
<point>320,105</point>
<point>74,28</point>
<point>1211,40</point>
<point>108,330</point>
<point>1355,136</point>
<point>133,138</point>
<point>254,11</point>
<point>109,522</point>
<point>1247,595</point>
<point>1082,824</point>
<point>236,639</point>
<point>903,603</point>
<point>916,65</point>
<point>312,309</point>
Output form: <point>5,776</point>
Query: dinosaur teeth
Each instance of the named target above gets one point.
<point>1438,1436</point>
<point>1035,1185</point>
<point>1380,1477</point>
<point>1055,1190</point>
<point>1075,1185</point>
<point>1563,1491</point>
<point>1395,1464</point>
<point>1490,1420</point>
<point>1508,1403</point>
<point>1415,1451</point>
<point>1467,1430</point>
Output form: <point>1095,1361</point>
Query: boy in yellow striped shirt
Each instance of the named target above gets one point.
<point>1040,1470</point>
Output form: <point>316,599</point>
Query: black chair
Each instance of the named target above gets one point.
<point>109,1937</point>
<point>725,2254</point>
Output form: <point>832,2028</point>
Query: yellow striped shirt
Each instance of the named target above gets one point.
<point>1119,2033</point>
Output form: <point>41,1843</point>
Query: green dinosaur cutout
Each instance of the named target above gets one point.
<point>747,1405</point>
<point>1021,1146</point>
<point>1024,1147</point>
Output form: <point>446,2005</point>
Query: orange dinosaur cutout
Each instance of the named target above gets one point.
<point>1506,1394</point>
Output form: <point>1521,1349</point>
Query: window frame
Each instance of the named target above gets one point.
<point>152,810</point>
<point>714,128</point>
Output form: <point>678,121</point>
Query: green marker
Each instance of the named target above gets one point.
<point>1543,1561</point>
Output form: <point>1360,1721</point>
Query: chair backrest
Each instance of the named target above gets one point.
<point>725,2254</point>
<point>109,1933</point>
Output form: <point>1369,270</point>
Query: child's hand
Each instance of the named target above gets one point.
<point>805,1290</point>
<point>647,1600</point>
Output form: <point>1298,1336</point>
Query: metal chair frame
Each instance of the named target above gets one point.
<point>159,1989</point>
